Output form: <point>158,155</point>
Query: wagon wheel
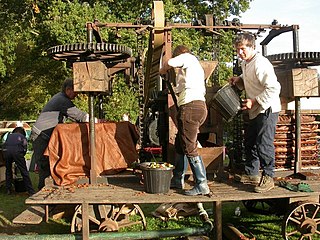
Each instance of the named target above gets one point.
<point>90,52</point>
<point>267,206</point>
<point>302,221</point>
<point>106,218</point>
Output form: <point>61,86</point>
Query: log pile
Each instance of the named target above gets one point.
<point>285,141</point>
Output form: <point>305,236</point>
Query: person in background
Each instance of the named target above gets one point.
<point>263,104</point>
<point>190,91</point>
<point>59,108</point>
<point>14,150</point>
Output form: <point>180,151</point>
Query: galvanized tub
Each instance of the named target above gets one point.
<point>227,102</point>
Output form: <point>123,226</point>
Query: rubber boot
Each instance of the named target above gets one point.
<point>181,165</point>
<point>199,176</point>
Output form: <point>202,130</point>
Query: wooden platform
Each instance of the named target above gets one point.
<point>133,192</point>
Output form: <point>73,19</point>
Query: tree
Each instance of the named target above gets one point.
<point>29,77</point>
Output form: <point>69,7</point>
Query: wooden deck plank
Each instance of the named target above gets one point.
<point>134,193</point>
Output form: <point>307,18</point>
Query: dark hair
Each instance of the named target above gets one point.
<point>19,130</point>
<point>245,38</point>
<point>179,50</point>
<point>68,83</point>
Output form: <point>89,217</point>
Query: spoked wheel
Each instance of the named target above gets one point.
<point>108,218</point>
<point>267,206</point>
<point>302,221</point>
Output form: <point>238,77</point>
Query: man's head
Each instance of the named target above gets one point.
<point>67,88</point>
<point>180,50</point>
<point>245,45</point>
<point>19,130</point>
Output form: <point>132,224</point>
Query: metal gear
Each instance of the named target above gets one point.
<point>295,59</point>
<point>90,52</point>
<point>153,132</point>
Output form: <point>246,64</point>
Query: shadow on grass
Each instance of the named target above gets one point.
<point>14,204</point>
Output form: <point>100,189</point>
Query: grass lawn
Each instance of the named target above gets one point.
<point>263,227</point>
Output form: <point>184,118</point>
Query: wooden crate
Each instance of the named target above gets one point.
<point>208,67</point>
<point>90,77</point>
<point>212,157</point>
<point>298,82</point>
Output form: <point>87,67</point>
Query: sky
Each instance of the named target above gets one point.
<point>305,13</point>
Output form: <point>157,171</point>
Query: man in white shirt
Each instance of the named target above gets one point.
<point>262,102</point>
<point>190,90</point>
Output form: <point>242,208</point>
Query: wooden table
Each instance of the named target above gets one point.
<point>126,193</point>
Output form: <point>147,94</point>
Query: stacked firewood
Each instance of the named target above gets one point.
<point>285,141</point>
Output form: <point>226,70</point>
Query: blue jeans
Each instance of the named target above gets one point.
<point>190,117</point>
<point>259,146</point>
<point>13,154</point>
<point>39,146</point>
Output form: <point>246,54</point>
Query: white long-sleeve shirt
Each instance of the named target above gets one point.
<point>190,81</point>
<point>260,82</point>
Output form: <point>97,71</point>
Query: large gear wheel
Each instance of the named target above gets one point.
<point>90,52</point>
<point>295,59</point>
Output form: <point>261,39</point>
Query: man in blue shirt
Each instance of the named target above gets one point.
<point>59,108</point>
<point>14,150</point>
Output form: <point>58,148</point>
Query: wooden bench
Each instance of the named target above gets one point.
<point>32,215</point>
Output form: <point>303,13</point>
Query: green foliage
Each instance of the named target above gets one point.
<point>124,100</point>
<point>224,50</point>
<point>29,77</point>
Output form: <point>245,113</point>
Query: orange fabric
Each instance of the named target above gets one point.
<point>68,150</point>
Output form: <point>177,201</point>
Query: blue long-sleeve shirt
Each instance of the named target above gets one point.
<point>16,142</point>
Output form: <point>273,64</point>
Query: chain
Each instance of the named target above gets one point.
<point>141,80</point>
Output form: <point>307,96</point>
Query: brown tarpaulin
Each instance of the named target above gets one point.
<point>68,150</point>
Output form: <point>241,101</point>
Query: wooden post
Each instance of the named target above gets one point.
<point>297,159</point>
<point>217,206</point>
<point>92,143</point>
<point>85,221</point>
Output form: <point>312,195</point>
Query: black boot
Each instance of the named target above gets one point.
<point>181,165</point>
<point>199,176</point>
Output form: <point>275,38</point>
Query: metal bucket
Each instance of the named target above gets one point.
<point>227,102</point>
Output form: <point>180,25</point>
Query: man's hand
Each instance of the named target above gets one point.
<point>87,118</point>
<point>247,103</point>
<point>235,80</point>
<point>164,69</point>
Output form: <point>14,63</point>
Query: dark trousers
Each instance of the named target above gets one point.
<point>39,146</point>
<point>259,146</point>
<point>190,117</point>
<point>13,155</point>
